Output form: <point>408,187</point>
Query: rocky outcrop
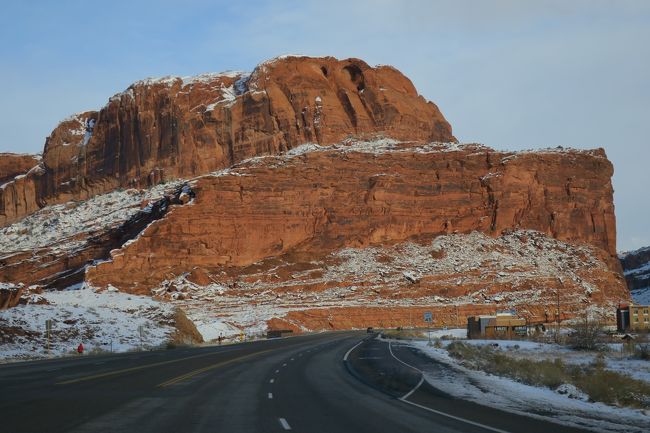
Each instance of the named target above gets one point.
<point>182,127</point>
<point>13,164</point>
<point>10,295</point>
<point>58,266</point>
<point>370,193</point>
<point>17,186</point>
<point>636,268</point>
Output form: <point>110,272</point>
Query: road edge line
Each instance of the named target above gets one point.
<point>457,418</point>
<point>390,349</point>
<point>345,357</point>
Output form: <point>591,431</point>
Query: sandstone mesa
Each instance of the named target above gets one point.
<point>313,193</point>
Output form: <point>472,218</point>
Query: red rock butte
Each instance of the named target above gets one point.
<point>326,194</point>
<point>182,127</point>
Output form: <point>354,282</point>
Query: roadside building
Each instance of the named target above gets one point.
<point>630,317</point>
<point>506,325</point>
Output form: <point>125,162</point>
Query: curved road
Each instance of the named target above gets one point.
<point>299,384</point>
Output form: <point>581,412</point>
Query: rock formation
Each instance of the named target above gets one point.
<point>331,199</point>
<point>363,210</point>
<point>10,295</point>
<point>12,165</point>
<point>636,267</point>
<point>181,127</point>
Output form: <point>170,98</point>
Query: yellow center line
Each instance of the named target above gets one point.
<point>140,367</point>
<point>208,368</point>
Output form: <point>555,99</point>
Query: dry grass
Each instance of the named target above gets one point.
<point>601,385</point>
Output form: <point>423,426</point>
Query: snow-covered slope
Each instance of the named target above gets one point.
<point>101,321</point>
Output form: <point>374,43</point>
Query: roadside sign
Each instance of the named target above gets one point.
<point>48,333</point>
<point>428,317</point>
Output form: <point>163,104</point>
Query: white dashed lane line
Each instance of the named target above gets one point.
<point>284,365</point>
<point>277,371</point>
<point>270,396</point>
<point>285,425</point>
<point>272,380</point>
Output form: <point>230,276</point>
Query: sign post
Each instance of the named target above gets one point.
<point>48,331</point>
<point>141,332</point>
<point>428,317</point>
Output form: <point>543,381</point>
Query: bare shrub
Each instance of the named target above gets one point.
<point>600,384</point>
<point>587,335</point>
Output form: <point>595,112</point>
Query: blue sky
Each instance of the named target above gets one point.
<point>510,74</point>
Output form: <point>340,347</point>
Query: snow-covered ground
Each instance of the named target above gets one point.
<point>82,315</point>
<point>567,405</point>
<point>614,357</point>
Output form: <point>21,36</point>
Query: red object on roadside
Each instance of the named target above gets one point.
<point>80,348</point>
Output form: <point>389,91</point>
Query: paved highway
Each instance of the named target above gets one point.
<point>300,384</point>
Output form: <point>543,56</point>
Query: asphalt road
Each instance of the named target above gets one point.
<point>299,383</point>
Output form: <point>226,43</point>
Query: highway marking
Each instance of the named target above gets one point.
<point>277,371</point>
<point>345,358</point>
<point>284,365</point>
<point>408,394</point>
<point>272,380</point>
<point>193,373</point>
<point>270,396</point>
<point>128,370</point>
<point>292,359</point>
<point>390,349</point>
<point>285,425</point>
<point>300,354</point>
<point>371,357</point>
<point>457,418</point>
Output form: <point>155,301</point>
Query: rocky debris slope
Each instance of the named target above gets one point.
<point>636,267</point>
<point>174,127</point>
<point>391,285</point>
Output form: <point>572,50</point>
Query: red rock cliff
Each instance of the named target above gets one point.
<point>362,195</point>
<point>181,127</point>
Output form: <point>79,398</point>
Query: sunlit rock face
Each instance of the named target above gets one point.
<point>172,127</point>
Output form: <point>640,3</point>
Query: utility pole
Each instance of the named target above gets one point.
<point>557,291</point>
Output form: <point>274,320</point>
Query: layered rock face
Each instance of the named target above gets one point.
<point>17,187</point>
<point>636,267</point>
<point>349,196</point>
<point>181,127</point>
<point>315,203</point>
<point>12,165</point>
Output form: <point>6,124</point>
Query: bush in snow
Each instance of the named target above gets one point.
<point>587,335</point>
<point>593,380</point>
